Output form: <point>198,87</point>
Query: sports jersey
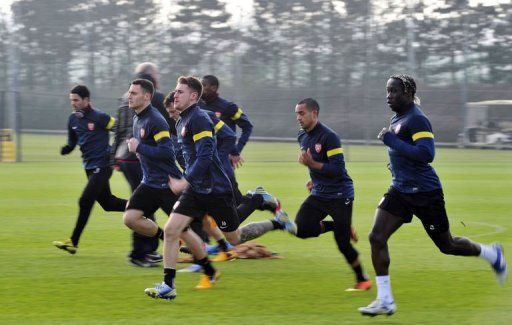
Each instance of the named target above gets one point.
<point>90,132</point>
<point>232,115</point>
<point>226,143</point>
<point>411,149</point>
<point>332,181</point>
<point>155,148</point>
<point>204,170</point>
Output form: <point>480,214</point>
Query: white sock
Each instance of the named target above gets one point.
<point>488,253</point>
<point>384,288</point>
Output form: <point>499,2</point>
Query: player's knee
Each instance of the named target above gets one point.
<point>129,220</point>
<point>170,232</point>
<point>376,239</point>
<point>304,231</point>
<point>446,249</point>
<point>85,202</point>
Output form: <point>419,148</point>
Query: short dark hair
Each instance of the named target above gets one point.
<point>81,91</point>
<point>212,80</point>
<point>193,83</point>
<point>146,85</point>
<point>169,98</point>
<point>311,104</point>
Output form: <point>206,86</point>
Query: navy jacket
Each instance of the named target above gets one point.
<point>155,149</point>
<point>232,115</point>
<point>411,150</point>
<point>325,146</point>
<point>91,134</point>
<point>203,170</point>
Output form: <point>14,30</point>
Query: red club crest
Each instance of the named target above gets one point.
<point>90,125</point>
<point>142,132</point>
<point>218,114</point>
<point>397,128</point>
<point>318,147</point>
<point>183,132</point>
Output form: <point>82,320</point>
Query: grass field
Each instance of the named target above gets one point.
<point>40,284</point>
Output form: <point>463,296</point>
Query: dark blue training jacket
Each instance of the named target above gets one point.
<point>90,132</point>
<point>411,150</point>
<point>325,146</point>
<point>155,149</point>
<point>203,170</point>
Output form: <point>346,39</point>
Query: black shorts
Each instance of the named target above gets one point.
<point>427,206</point>
<point>149,199</point>
<point>314,209</point>
<point>220,207</point>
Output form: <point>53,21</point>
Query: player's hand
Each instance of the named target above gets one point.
<point>382,133</point>
<point>305,157</point>
<point>178,185</point>
<point>353,235</point>
<point>309,185</point>
<point>64,150</point>
<point>236,161</point>
<point>132,144</point>
<point>116,167</point>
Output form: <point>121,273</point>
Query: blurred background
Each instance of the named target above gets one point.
<point>267,55</point>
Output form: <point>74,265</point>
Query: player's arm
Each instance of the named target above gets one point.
<point>422,149</point>
<point>163,148</point>
<point>119,133</point>
<point>107,121</point>
<point>226,138</point>
<point>202,135</point>
<point>72,140</point>
<point>335,164</point>
<point>240,119</point>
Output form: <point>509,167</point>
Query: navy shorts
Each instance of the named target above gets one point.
<point>427,206</point>
<point>149,199</point>
<point>220,206</point>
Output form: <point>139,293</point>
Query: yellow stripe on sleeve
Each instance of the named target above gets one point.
<point>111,123</point>
<point>238,114</point>
<point>201,135</point>
<point>218,126</point>
<point>162,134</point>
<point>423,134</point>
<point>334,151</point>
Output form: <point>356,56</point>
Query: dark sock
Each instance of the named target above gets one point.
<point>359,273</point>
<point>326,226</point>
<point>276,224</point>
<point>245,209</point>
<point>223,244</point>
<point>160,233</point>
<point>169,275</point>
<point>207,266</point>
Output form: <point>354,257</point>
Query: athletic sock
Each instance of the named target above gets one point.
<point>160,233</point>
<point>488,253</point>
<point>169,275</point>
<point>384,288</point>
<point>360,276</point>
<point>223,244</point>
<point>276,224</point>
<point>207,266</point>
<point>326,226</point>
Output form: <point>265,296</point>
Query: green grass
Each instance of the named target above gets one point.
<point>40,284</point>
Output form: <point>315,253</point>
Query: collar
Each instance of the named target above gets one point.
<point>188,110</point>
<point>144,111</point>
<point>317,127</point>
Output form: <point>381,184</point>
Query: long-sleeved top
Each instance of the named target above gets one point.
<point>123,130</point>
<point>411,150</point>
<point>203,170</point>
<point>232,115</point>
<point>90,132</point>
<point>155,149</point>
<point>332,181</point>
